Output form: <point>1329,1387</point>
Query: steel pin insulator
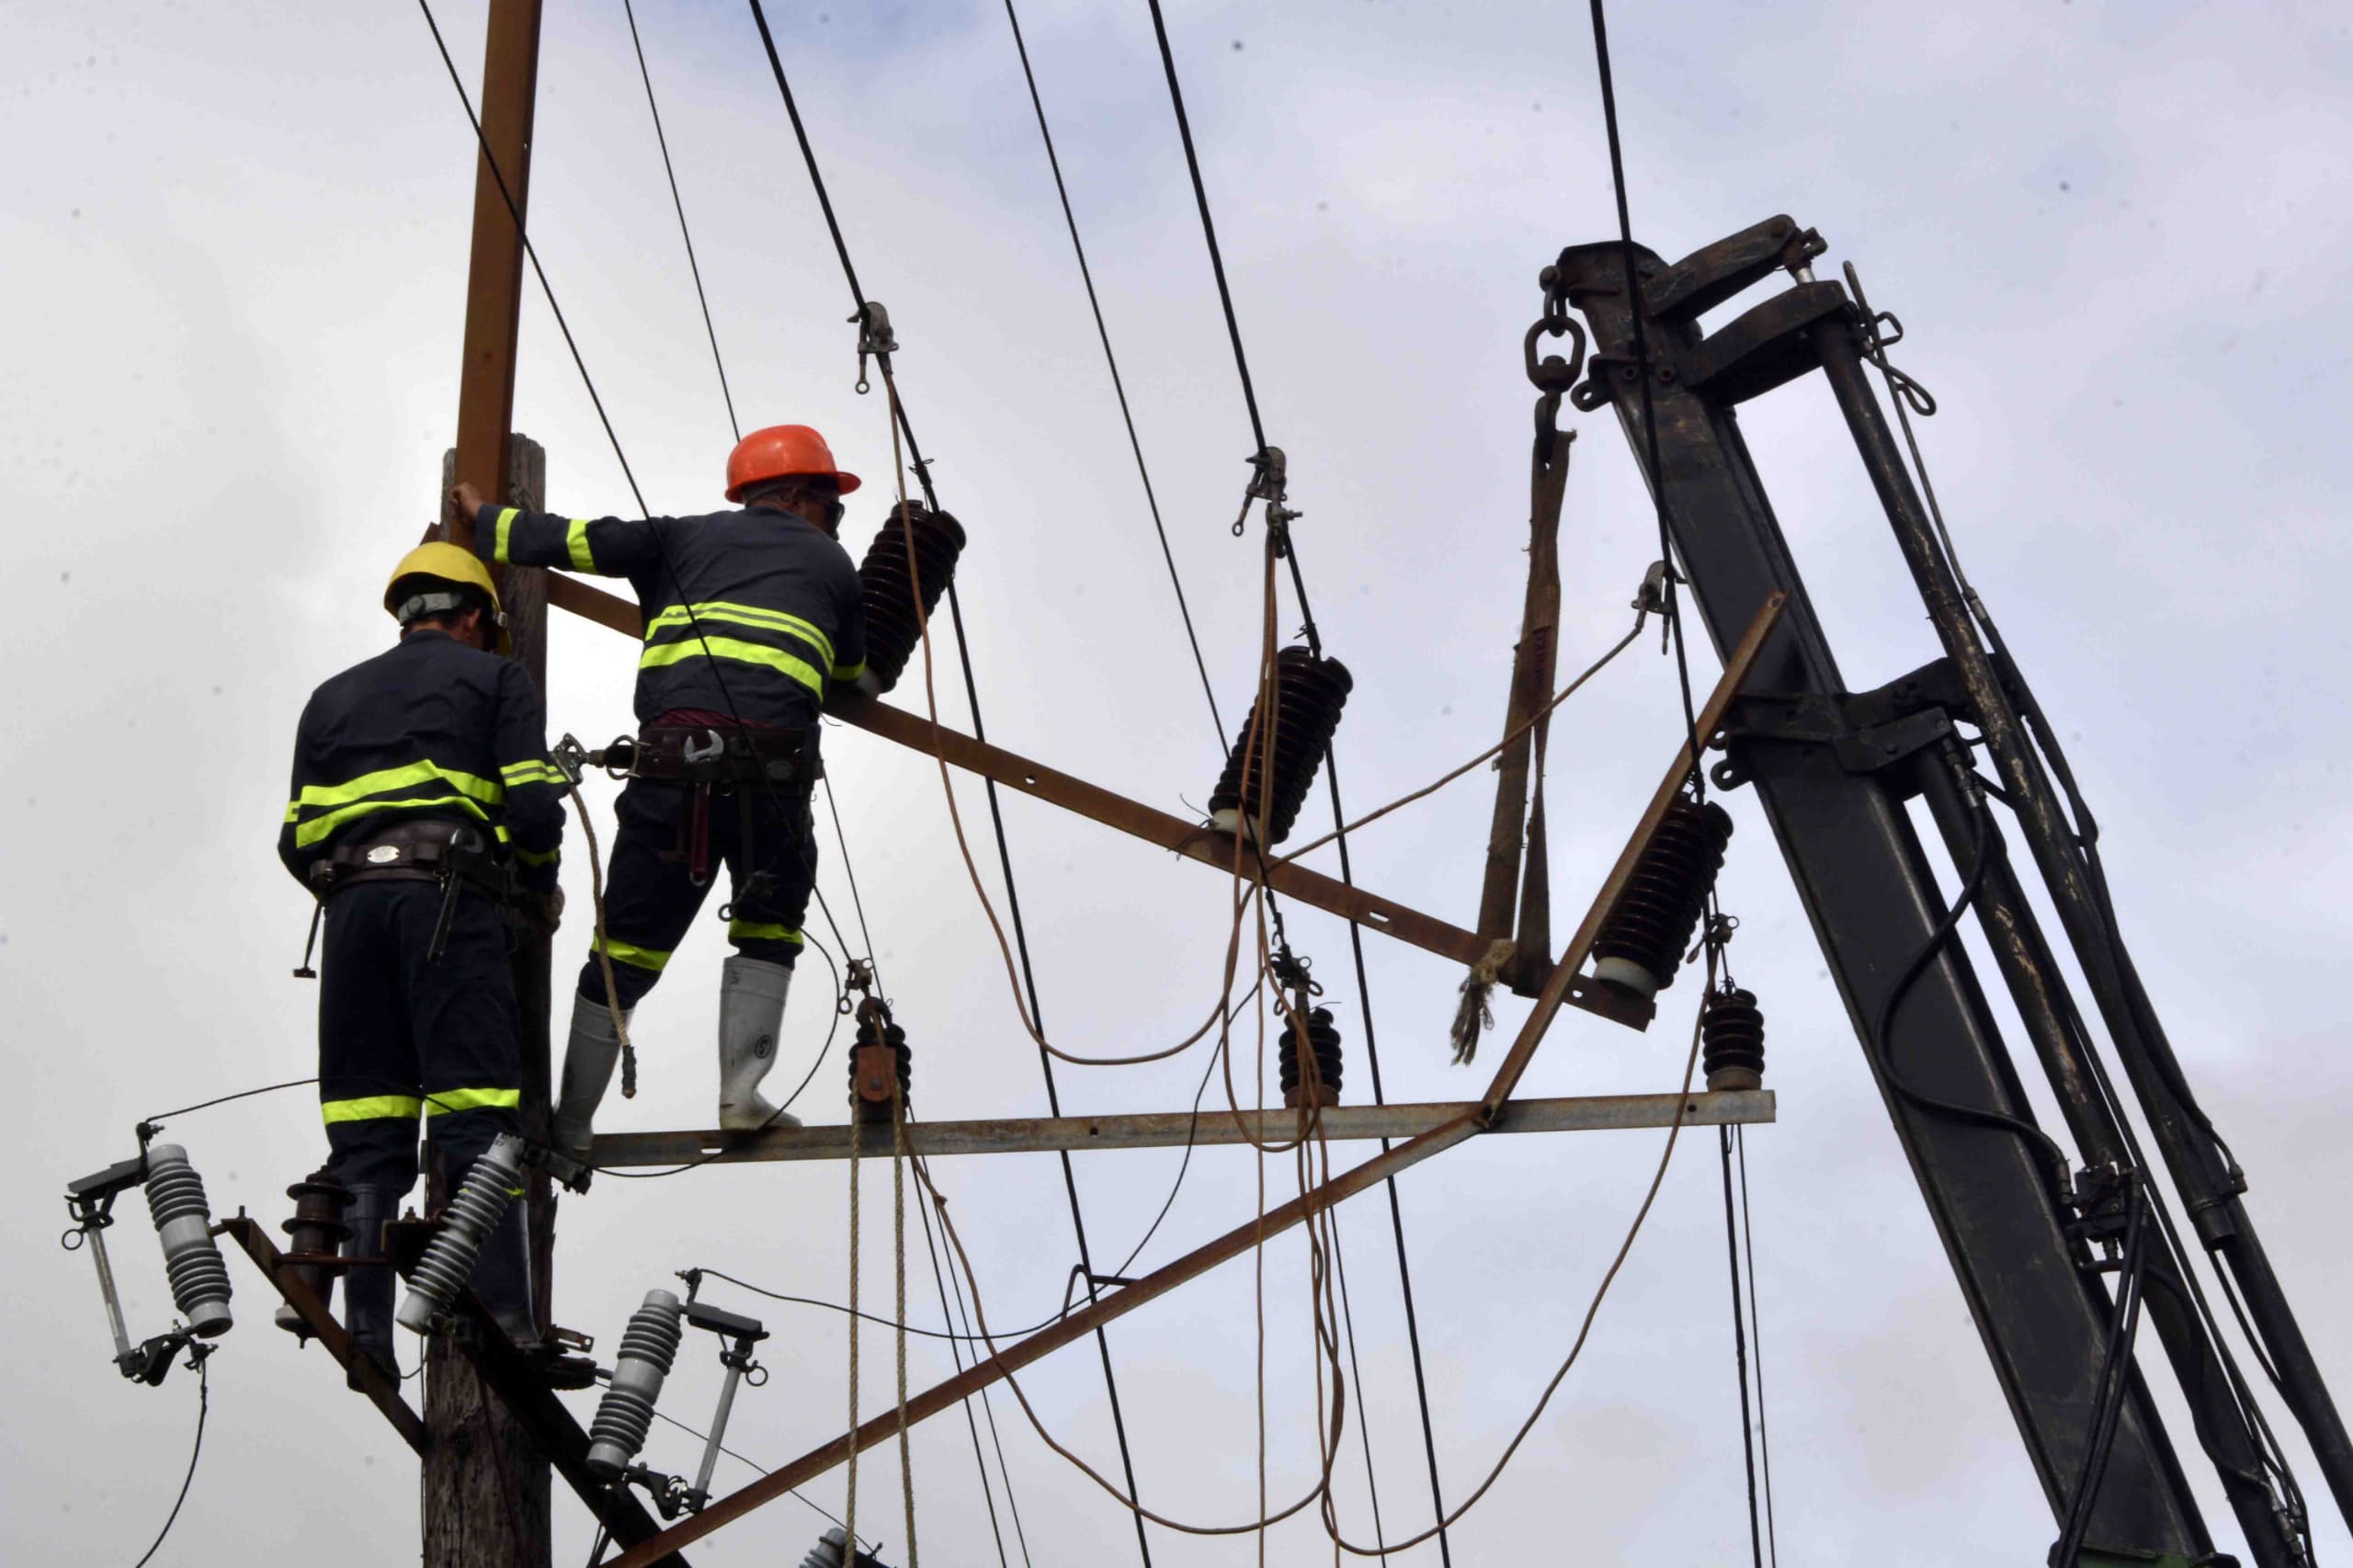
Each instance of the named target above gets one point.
<point>473,1214</point>
<point>1643,941</point>
<point>1308,694</point>
<point>649,1346</point>
<point>1732,1040</point>
<point>184,1224</point>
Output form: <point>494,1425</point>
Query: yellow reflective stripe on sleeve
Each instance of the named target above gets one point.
<point>498,533</point>
<point>385,779</point>
<point>575,539</point>
<point>529,859</point>
<point>683,617</point>
<point>517,774</point>
<point>849,671</point>
<point>735,648</point>
<point>294,809</point>
<point>320,827</point>
<point>443,1101</point>
<point>631,953</point>
<point>371,1108</point>
<point>755,931</point>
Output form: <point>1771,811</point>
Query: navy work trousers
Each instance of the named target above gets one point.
<point>764,837</point>
<point>400,1034</point>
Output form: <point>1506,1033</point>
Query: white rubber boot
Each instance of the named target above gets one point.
<point>750,1016</point>
<point>588,1060</point>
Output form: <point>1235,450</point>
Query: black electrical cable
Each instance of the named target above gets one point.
<point>1881,1047</point>
<point>157,1120</point>
<point>1119,385</point>
<point>1670,600</point>
<point>2114,1379</point>
<point>1757,1341</point>
<point>1356,1374</point>
<point>1208,227</point>
<point>972,699</point>
<point>1740,1350</point>
<point>203,1408</point>
<point>684,232</point>
<point>956,1354</point>
<point>1289,550</point>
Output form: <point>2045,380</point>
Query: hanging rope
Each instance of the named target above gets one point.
<point>899,1268</point>
<point>849,1505</point>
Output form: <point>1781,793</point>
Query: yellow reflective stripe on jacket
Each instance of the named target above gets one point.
<point>683,617</point>
<point>443,1101</point>
<point>575,539</point>
<point>740,651</point>
<point>385,779</point>
<point>294,809</point>
<point>755,931</point>
<point>631,953</point>
<point>849,671</point>
<point>371,1108</point>
<point>517,774</point>
<point>498,532</point>
<point>532,858</point>
<point>320,827</point>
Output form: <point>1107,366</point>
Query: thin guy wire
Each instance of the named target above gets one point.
<point>1119,385</point>
<point>684,232</point>
<point>973,700</point>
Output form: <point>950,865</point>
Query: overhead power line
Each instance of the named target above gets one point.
<point>1331,771</point>
<point>972,699</point>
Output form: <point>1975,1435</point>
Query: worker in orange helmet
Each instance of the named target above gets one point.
<point>751,614</point>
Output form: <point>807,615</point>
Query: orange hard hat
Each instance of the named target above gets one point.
<point>782,452</point>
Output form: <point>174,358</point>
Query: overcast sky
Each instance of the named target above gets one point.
<point>234,241</point>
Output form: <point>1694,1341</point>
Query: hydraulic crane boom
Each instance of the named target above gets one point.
<point>2030,1232</point>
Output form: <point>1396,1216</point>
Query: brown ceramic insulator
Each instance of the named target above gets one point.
<point>892,628</point>
<point>1732,1040</point>
<point>1323,1054</point>
<point>314,1236</point>
<point>1309,695</point>
<point>1653,922</point>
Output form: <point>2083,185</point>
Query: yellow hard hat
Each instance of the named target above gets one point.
<point>453,564</point>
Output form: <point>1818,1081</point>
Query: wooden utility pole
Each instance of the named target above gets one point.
<point>485,1485</point>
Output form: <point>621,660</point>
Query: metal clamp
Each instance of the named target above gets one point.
<point>875,340</point>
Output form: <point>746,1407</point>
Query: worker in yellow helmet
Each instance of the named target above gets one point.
<point>424,815</point>
<point>752,615</point>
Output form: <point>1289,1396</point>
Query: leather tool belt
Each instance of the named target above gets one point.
<point>428,850</point>
<point>722,758</point>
